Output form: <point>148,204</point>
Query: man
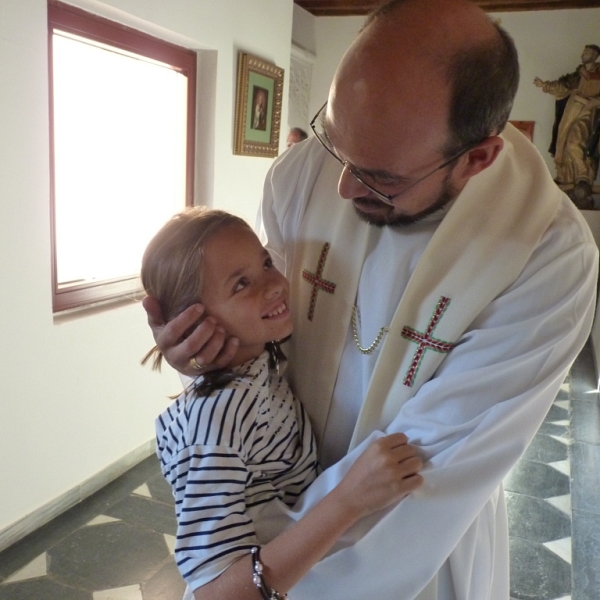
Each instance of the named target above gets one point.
<point>259,113</point>
<point>295,135</point>
<point>446,297</point>
<point>578,98</point>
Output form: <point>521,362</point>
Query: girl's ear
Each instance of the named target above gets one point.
<point>480,157</point>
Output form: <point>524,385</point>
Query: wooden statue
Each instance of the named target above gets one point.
<point>575,133</point>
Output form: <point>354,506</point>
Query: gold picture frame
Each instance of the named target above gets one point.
<point>258,107</point>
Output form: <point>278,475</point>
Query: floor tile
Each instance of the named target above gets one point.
<point>546,449</point>
<point>553,429</point>
<point>143,491</point>
<point>536,573</point>
<point>100,519</point>
<point>146,512</point>
<point>167,584</point>
<point>537,480</point>
<point>562,466</point>
<point>583,373</point>
<point>585,461</point>
<point>563,503</point>
<point>586,556</point>
<point>561,548</point>
<point>170,541</point>
<point>562,439</point>
<point>36,568</point>
<point>130,592</point>
<point>107,556</point>
<point>535,520</point>
<point>585,421</point>
<point>161,490</point>
<point>43,588</point>
<point>24,551</point>
<point>556,413</point>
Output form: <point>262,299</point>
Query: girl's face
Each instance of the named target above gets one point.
<point>244,291</point>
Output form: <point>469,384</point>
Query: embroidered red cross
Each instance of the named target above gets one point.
<point>317,281</point>
<point>425,341</point>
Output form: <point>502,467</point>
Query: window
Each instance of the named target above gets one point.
<point>122,115</point>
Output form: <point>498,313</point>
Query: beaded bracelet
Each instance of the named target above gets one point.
<point>258,579</point>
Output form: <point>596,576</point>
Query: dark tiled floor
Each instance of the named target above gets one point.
<point>117,544</point>
<point>553,497</point>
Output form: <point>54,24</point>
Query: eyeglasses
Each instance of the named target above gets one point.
<point>318,129</point>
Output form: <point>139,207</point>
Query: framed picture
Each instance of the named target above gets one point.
<point>257,107</point>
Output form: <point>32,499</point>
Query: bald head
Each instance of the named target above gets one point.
<point>428,68</point>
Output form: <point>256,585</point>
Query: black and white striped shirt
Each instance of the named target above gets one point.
<point>233,450</point>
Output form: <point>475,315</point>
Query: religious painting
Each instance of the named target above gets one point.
<point>258,107</point>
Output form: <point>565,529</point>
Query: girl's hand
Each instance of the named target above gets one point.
<point>384,473</point>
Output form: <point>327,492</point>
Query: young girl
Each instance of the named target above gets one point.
<point>237,440</point>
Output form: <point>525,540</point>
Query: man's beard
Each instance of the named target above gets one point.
<point>389,218</point>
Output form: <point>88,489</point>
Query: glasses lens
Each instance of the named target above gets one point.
<point>318,127</point>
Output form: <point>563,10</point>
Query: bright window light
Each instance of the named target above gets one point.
<point>122,156</point>
<point>119,152</point>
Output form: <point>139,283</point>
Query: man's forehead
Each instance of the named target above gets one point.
<point>382,131</point>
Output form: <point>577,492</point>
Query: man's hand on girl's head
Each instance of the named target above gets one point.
<point>191,344</point>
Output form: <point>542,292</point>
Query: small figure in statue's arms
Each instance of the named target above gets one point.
<point>576,129</point>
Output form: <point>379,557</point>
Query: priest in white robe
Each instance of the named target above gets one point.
<point>457,329</point>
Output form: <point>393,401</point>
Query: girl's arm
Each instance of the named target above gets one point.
<point>385,473</point>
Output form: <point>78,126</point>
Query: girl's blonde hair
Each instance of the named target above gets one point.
<point>173,260</point>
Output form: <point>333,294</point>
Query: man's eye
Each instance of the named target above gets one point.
<point>389,182</point>
<point>380,180</point>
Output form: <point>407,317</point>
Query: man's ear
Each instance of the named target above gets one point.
<point>480,158</point>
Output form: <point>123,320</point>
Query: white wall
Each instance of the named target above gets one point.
<point>303,29</point>
<point>73,397</point>
<point>333,35</point>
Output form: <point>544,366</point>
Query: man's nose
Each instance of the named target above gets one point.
<point>349,187</point>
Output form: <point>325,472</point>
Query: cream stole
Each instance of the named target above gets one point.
<point>478,250</point>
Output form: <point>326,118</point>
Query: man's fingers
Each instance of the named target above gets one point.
<point>199,337</point>
<point>209,344</point>
<point>174,330</point>
<point>186,337</point>
<point>228,352</point>
<point>213,340</point>
<point>153,312</point>
<point>216,354</point>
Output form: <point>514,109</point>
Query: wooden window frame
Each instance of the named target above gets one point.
<point>84,24</point>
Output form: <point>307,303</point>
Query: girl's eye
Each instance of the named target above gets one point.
<point>240,285</point>
<point>268,263</point>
